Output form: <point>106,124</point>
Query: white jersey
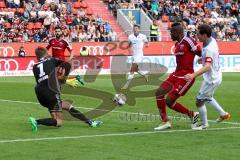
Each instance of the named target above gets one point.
<point>210,53</point>
<point>137,44</point>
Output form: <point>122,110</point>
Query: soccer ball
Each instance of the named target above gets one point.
<point>119,99</point>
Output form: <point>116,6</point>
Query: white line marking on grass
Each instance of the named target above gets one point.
<point>13,101</point>
<point>111,135</point>
<point>142,114</point>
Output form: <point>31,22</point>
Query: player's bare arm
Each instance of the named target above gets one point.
<point>204,69</point>
<point>71,55</point>
<point>130,47</point>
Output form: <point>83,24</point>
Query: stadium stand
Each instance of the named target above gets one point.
<point>87,20</point>
<point>222,15</point>
<point>34,21</point>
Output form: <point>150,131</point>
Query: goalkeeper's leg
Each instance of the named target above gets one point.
<point>77,114</point>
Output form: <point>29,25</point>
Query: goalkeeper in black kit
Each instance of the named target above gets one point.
<point>50,73</point>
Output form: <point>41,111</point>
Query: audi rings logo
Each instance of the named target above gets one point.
<point>6,51</point>
<point>8,65</point>
<point>96,50</point>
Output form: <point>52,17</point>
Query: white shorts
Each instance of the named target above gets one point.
<point>137,59</point>
<point>207,90</point>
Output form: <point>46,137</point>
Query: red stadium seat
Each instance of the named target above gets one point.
<point>2,4</point>
<point>89,11</point>
<point>12,10</point>
<point>30,25</point>
<point>38,25</point>
<point>84,4</point>
<point>169,25</point>
<point>21,10</point>
<point>76,5</point>
<point>75,11</point>
<point>165,18</point>
<point>8,25</point>
<point>5,10</point>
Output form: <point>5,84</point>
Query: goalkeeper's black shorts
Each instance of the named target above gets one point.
<point>49,99</point>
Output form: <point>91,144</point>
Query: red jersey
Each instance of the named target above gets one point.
<point>58,48</point>
<point>185,51</point>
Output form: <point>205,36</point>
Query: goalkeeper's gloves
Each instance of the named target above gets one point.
<point>72,82</point>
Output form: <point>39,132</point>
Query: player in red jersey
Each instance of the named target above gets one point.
<point>59,46</point>
<point>175,85</point>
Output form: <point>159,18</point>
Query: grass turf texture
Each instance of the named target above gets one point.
<point>81,142</point>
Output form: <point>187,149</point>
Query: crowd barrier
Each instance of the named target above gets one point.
<point>101,55</point>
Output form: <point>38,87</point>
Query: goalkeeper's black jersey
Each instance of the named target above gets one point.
<point>45,70</point>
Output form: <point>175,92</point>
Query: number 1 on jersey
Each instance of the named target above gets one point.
<point>42,73</point>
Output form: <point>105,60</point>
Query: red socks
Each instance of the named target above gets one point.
<point>182,109</point>
<point>161,104</point>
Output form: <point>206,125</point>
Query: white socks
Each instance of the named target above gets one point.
<point>203,113</point>
<point>142,73</point>
<point>129,79</point>
<point>217,107</point>
<point>130,76</point>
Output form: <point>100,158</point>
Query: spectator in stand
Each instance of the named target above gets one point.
<point>81,12</point>
<point>106,36</point>
<point>99,20</point>
<point>66,34</point>
<point>97,36</point>
<point>42,2</point>
<point>36,37</point>
<point>37,5</point>
<point>155,10</point>
<point>12,3</point>
<point>101,32</point>
<point>91,28</point>
<point>77,21</point>
<point>107,27</point>
<point>11,36</point>
<point>47,22</point>
<point>2,34</point>
<point>25,36</point>
<point>74,35</point>
<point>42,35</point>
<point>112,36</point>
<point>54,20</point>
<point>21,52</point>
<point>28,6</point>
<point>61,5</point>
<point>82,36</point>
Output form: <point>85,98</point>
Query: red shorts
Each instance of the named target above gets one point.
<point>177,85</point>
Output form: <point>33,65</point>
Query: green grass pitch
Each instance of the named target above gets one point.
<point>119,138</point>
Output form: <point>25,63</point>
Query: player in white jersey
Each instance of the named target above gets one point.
<point>137,42</point>
<point>212,76</point>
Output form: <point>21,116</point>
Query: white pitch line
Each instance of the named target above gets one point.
<point>142,114</point>
<point>111,135</point>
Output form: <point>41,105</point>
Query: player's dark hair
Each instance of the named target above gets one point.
<point>40,52</point>
<point>205,29</point>
<point>58,27</point>
<point>176,24</point>
<point>136,25</point>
